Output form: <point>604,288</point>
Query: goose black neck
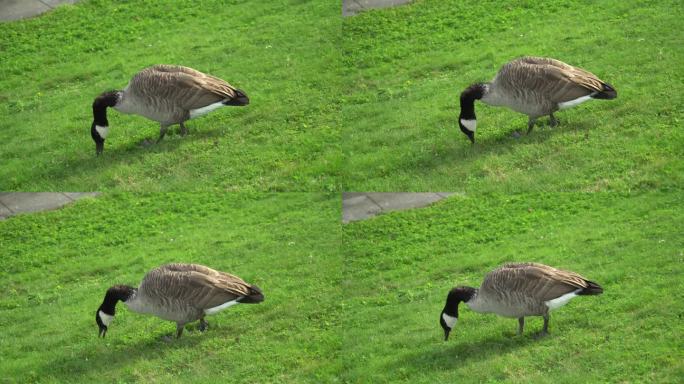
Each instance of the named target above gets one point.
<point>468,97</point>
<point>113,295</point>
<point>455,297</point>
<point>100,104</point>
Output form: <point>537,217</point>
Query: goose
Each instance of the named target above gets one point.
<point>518,290</point>
<point>179,292</point>
<point>169,94</point>
<point>535,86</point>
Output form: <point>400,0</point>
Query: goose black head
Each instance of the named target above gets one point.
<point>105,313</point>
<point>100,127</point>
<point>466,119</point>
<point>449,315</point>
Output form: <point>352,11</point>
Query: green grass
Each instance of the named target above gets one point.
<point>399,267</point>
<point>283,53</point>
<point>56,267</point>
<point>406,66</point>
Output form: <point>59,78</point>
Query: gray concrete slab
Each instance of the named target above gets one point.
<point>352,7</point>
<point>359,206</point>
<point>13,203</point>
<point>21,9</point>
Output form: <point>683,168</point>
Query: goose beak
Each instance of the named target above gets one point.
<point>99,148</point>
<point>446,333</point>
<point>103,331</point>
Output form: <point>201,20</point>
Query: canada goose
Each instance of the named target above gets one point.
<point>535,86</point>
<point>169,94</point>
<point>179,292</point>
<point>518,290</point>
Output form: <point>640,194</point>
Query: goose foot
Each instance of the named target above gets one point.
<point>515,135</point>
<point>553,122</point>
<point>203,326</point>
<point>530,124</point>
<point>184,130</point>
<point>162,132</point>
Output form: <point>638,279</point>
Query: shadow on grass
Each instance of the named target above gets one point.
<point>458,148</point>
<point>455,353</point>
<point>85,166</point>
<point>98,356</point>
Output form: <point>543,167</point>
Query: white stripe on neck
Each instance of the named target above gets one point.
<point>103,131</point>
<point>469,124</point>
<point>106,319</point>
<point>449,320</point>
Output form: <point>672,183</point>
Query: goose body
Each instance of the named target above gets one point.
<point>535,86</point>
<point>181,293</point>
<point>518,290</point>
<point>168,94</point>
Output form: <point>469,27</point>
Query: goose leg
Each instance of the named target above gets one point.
<point>179,330</point>
<point>553,122</point>
<point>184,130</point>
<point>521,325</point>
<point>530,124</point>
<point>203,325</point>
<point>545,330</point>
<point>162,132</point>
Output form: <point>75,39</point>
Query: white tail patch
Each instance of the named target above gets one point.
<point>106,319</point>
<point>469,124</point>
<point>561,301</point>
<point>204,110</point>
<point>219,308</point>
<point>103,131</point>
<point>577,101</point>
<point>449,320</point>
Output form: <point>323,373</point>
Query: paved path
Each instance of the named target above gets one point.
<point>352,7</point>
<point>12,203</point>
<point>359,206</point>
<point>21,9</point>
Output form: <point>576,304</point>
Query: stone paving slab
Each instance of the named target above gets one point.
<point>359,205</point>
<point>13,203</point>
<point>21,9</point>
<point>352,7</point>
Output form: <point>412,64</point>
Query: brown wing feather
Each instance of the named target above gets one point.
<point>192,89</point>
<point>539,281</point>
<point>202,286</point>
<point>559,81</point>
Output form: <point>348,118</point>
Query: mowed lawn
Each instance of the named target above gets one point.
<point>400,266</point>
<point>56,267</point>
<point>282,53</point>
<point>406,67</point>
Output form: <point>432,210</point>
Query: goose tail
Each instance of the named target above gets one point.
<point>591,289</point>
<point>255,296</point>
<point>607,93</point>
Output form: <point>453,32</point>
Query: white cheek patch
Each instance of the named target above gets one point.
<point>449,320</point>
<point>106,319</point>
<point>204,110</point>
<point>561,301</point>
<point>469,124</point>
<point>102,131</point>
<point>221,307</point>
<point>572,103</point>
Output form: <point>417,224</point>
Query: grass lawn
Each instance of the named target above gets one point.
<point>56,267</point>
<point>399,268</point>
<point>406,67</point>
<point>283,53</point>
